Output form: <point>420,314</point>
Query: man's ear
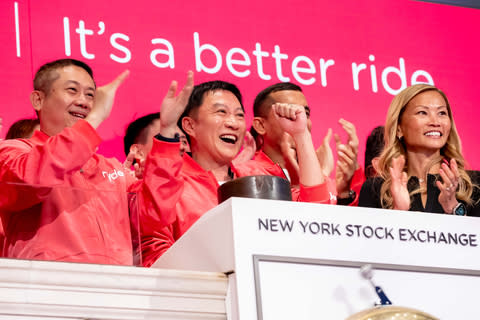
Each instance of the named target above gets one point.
<point>188,124</point>
<point>259,125</point>
<point>37,98</point>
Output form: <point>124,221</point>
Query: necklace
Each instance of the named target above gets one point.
<point>422,180</point>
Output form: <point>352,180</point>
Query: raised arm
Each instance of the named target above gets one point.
<point>325,154</point>
<point>398,189</point>
<point>162,185</point>
<point>448,186</point>
<point>347,162</point>
<point>44,161</point>
<point>293,120</point>
<point>104,98</point>
<point>174,105</point>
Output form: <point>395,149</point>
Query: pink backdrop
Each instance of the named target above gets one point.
<point>252,44</point>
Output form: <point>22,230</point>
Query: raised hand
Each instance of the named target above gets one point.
<point>248,150</point>
<point>293,120</point>
<point>398,188</point>
<point>449,185</point>
<point>291,117</point>
<point>139,165</point>
<point>347,154</point>
<point>104,98</point>
<point>174,105</point>
<point>325,155</point>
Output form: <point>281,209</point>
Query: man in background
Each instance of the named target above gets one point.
<point>276,151</point>
<point>138,141</point>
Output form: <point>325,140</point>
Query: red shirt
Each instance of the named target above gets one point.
<point>61,201</point>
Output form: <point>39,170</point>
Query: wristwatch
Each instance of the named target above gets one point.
<point>346,201</point>
<point>459,209</point>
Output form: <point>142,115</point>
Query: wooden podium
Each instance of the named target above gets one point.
<point>288,260</point>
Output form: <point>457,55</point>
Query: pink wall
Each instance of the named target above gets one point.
<point>259,43</point>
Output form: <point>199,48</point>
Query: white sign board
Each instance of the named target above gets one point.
<point>301,261</point>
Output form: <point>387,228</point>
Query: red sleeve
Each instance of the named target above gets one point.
<point>160,192</point>
<point>155,245</point>
<point>47,163</point>
<point>322,193</point>
<point>356,185</point>
<point>38,166</point>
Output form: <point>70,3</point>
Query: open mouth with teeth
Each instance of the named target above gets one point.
<point>433,134</point>
<point>229,138</point>
<point>78,115</point>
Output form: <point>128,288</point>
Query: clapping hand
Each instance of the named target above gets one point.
<point>325,155</point>
<point>398,188</point>
<point>174,105</point>
<point>104,98</point>
<point>347,154</point>
<point>449,185</point>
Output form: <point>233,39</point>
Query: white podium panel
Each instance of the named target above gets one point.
<point>39,290</point>
<point>301,261</point>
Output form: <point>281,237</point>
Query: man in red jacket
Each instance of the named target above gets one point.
<point>214,123</point>
<point>277,151</point>
<point>138,141</point>
<point>59,199</point>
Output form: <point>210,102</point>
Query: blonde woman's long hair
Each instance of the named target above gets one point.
<point>395,147</point>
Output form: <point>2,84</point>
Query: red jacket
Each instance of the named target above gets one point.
<point>187,192</point>
<point>61,201</point>
<point>356,185</point>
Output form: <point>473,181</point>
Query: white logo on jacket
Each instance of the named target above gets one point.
<point>332,196</point>
<point>112,176</point>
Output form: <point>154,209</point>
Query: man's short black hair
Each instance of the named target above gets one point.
<point>47,73</point>
<point>198,95</point>
<point>374,147</point>
<point>259,108</point>
<point>137,131</point>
